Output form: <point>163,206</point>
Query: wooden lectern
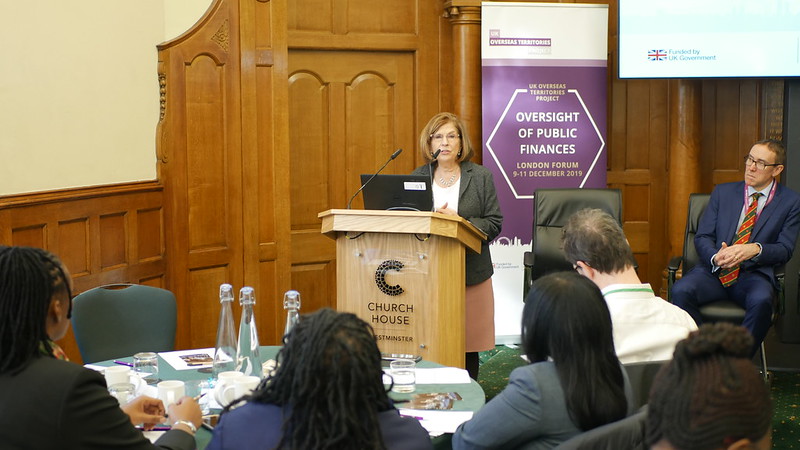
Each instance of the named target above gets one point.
<point>403,272</point>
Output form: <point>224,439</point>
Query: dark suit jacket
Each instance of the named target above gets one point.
<point>53,404</point>
<point>477,202</point>
<point>776,228</point>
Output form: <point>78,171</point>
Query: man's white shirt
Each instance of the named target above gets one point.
<point>646,327</point>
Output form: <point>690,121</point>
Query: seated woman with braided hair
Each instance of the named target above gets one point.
<point>326,393</point>
<point>710,396</point>
<point>49,403</point>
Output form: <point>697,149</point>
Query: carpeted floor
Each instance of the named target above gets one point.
<point>498,363</point>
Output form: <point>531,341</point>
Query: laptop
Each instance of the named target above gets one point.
<point>398,192</point>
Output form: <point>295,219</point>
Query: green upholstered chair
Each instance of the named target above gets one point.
<point>118,320</point>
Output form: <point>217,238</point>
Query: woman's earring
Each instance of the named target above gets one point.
<point>459,153</point>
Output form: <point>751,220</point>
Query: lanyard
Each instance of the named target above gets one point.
<point>769,197</point>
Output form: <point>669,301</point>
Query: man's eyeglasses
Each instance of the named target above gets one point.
<point>450,137</point>
<point>760,165</point>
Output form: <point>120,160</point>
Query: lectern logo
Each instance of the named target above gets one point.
<point>380,277</point>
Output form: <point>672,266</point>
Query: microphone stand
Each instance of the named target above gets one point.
<point>394,155</point>
<point>430,171</point>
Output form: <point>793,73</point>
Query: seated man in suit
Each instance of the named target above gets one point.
<point>646,328</point>
<point>748,228</point>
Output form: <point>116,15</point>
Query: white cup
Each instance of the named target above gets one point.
<point>117,375</point>
<point>170,391</point>
<point>238,387</point>
<point>403,373</point>
<point>224,380</point>
<point>243,386</point>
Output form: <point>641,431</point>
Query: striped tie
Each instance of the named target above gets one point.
<point>729,276</point>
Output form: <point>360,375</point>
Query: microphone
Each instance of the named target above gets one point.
<point>394,155</point>
<point>430,171</point>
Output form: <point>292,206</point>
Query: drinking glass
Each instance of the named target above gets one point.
<point>403,373</point>
<point>145,364</point>
<point>123,392</point>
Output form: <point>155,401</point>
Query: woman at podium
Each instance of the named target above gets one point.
<point>463,188</point>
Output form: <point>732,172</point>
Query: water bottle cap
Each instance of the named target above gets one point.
<point>246,296</point>
<point>225,293</point>
<point>291,300</point>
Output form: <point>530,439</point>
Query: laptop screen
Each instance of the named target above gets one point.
<point>398,192</point>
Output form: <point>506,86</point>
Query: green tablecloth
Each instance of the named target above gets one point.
<point>473,397</point>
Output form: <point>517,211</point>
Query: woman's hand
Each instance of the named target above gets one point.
<point>445,210</point>
<point>145,410</point>
<point>186,409</point>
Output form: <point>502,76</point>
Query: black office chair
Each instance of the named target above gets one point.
<point>721,311</point>
<point>641,376</point>
<point>552,208</point>
<point>118,320</point>
<point>627,433</point>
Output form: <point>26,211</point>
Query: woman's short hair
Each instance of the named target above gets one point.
<point>438,121</point>
<point>710,395</point>
<point>29,279</point>
<point>566,319</point>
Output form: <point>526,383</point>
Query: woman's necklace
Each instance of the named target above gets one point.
<point>449,182</point>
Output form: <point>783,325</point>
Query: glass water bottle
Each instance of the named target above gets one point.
<point>225,349</point>
<point>291,303</point>
<point>247,353</point>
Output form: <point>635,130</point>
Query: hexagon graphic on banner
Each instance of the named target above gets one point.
<point>553,143</point>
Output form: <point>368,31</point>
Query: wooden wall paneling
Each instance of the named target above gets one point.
<point>653,219</point>
<point>397,16</point>
<point>199,137</point>
<point>637,166</point>
<point>224,144</point>
<point>735,127</point>
<point>105,234</point>
<point>362,81</point>
<point>348,112</point>
<point>265,144</point>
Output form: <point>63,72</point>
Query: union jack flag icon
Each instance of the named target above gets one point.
<point>657,55</point>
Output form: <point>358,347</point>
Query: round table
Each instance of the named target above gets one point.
<point>472,395</point>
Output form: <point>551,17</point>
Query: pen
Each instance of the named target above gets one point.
<point>156,429</point>
<point>413,417</point>
<point>123,363</point>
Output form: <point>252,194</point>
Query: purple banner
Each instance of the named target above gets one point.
<point>544,122</point>
<point>543,127</point>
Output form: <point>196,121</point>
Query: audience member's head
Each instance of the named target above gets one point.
<point>35,304</point>
<point>594,238</point>
<point>710,396</point>
<point>329,374</point>
<point>566,318</point>
<point>775,147</point>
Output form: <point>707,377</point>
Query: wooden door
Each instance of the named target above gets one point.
<point>348,112</point>
<point>364,77</point>
<point>225,182</point>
